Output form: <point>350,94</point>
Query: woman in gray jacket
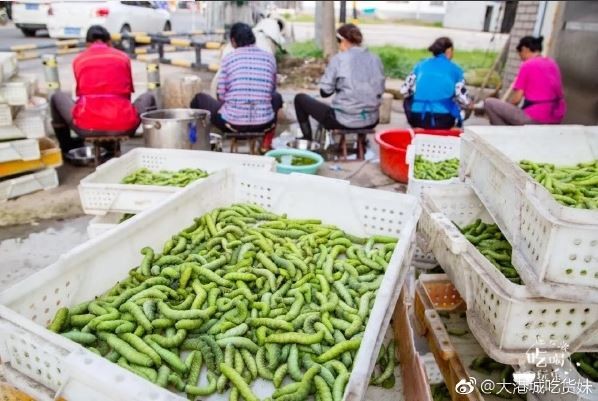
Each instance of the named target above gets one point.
<point>356,76</point>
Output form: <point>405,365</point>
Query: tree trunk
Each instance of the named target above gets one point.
<point>328,32</point>
<point>318,24</point>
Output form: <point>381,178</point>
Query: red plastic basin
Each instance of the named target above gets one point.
<point>393,149</point>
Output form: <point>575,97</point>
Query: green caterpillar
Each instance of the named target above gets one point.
<point>280,297</point>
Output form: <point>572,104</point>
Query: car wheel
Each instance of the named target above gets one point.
<point>126,45</point>
<point>28,32</point>
<point>167,27</point>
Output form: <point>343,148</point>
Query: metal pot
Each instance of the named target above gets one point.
<point>177,128</point>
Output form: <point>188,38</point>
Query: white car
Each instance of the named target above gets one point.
<point>30,16</point>
<point>72,19</point>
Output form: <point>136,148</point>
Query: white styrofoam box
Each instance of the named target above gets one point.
<point>31,123</point>
<point>22,149</point>
<point>27,307</point>
<point>101,192</point>
<point>25,184</point>
<point>8,65</point>
<point>11,132</point>
<point>434,148</point>
<point>17,90</point>
<point>558,243</point>
<point>506,318</point>
<point>5,115</point>
<point>100,224</point>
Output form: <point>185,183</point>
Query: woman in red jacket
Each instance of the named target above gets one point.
<point>104,87</point>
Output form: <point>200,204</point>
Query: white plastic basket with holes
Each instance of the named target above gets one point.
<point>506,318</point>
<point>434,148</point>
<point>31,123</point>
<point>557,242</point>
<point>432,370</point>
<point>71,372</point>
<point>5,115</point>
<point>101,192</point>
<point>100,224</point>
<point>24,149</point>
<point>8,65</point>
<point>28,183</point>
<point>421,259</point>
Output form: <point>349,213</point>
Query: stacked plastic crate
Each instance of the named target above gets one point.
<point>546,307</point>
<point>432,148</point>
<point>27,158</point>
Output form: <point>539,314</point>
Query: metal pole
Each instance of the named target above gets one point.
<point>153,80</point>
<point>354,11</point>
<point>198,55</point>
<point>51,73</point>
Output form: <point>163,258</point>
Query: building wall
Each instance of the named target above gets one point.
<point>470,15</point>
<point>576,51</point>
<point>525,21</point>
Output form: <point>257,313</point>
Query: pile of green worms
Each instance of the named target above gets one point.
<point>247,294</point>
<point>488,366</point>
<point>440,392</point>
<point>586,364</point>
<point>575,186</point>
<point>298,160</point>
<point>180,178</point>
<point>384,371</point>
<point>491,243</point>
<point>436,171</point>
<point>126,217</point>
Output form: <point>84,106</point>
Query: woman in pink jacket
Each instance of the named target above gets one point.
<point>538,84</point>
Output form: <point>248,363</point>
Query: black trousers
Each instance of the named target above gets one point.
<point>306,106</point>
<point>206,102</point>
<point>61,109</point>
<point>417,120</point>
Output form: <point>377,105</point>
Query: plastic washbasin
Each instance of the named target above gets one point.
<point>287,169</point>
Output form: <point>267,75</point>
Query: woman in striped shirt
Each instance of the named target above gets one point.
<point>247,98</point>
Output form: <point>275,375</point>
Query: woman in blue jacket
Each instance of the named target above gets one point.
<point>435,90</point>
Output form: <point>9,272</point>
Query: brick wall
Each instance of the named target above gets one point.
<point>525,20</point>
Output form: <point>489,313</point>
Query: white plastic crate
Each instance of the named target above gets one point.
<point>100,224</point>
<point>31,123</point>
<point>434,148</point>
<point>506,318</point>
<point>102,192</point>
<point>17,90</point>
<point>424,260</point>
<point>25,184</point>
<point>5,115</point>
<point>48,358</point>
<point>557,242</point>
<point>8,65</point>
<point>24,149</point>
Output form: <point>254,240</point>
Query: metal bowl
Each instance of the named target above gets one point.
<point>84,156</point>
<point>304,144</point>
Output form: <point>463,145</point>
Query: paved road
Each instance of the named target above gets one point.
<point>416,37</point>
<point>182,21</point>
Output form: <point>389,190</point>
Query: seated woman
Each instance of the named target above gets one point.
<point>356,76</point>
<point>104,87</point>
<point>247,97</point>
<point>538,83</point>
<point>435,90</point>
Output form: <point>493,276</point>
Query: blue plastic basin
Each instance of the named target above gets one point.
<point>287,168</point>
